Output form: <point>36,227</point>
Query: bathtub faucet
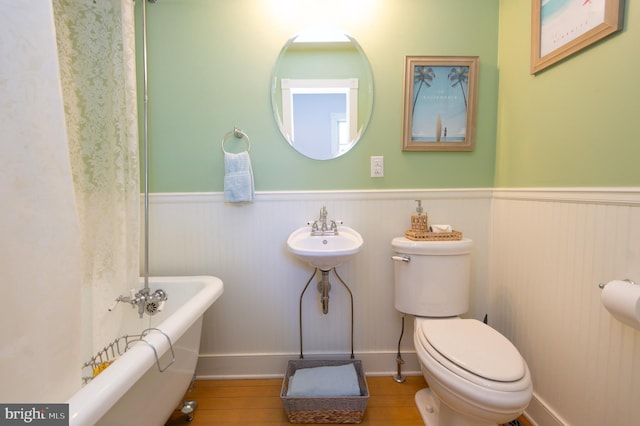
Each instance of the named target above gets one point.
<point>148,302</point>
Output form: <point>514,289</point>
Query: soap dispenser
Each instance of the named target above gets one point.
<point>420,222</point>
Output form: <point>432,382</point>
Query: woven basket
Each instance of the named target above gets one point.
<point>433,236</point>
<point>337,410</point>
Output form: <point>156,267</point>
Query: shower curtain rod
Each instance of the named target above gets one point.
<point>146,143</point>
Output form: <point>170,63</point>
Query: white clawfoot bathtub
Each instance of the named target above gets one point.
<point>132,390</point>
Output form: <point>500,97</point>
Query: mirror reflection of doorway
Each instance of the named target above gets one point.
<point>320,116</point>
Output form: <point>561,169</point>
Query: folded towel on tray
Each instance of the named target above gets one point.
<point>238,177</point>
<point>339,380</point>
<point>440,228</point>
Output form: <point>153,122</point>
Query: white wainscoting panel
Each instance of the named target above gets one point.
<point>253,327</point>
<point>550,249</point>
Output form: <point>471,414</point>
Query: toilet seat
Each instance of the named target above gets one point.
<point>472,350</point>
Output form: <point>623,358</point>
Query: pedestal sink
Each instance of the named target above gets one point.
<point>325,252</point>
<point>325,245</point>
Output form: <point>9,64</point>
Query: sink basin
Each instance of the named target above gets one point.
<point>325,251</point>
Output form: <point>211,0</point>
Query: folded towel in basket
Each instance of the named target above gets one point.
<point>238,177</point>
<point>339,380</point>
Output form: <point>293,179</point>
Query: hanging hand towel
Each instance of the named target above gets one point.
<point>238,178</point>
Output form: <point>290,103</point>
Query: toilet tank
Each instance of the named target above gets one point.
<point>431,278</point>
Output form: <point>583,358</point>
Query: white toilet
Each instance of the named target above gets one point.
<point>475,375</point>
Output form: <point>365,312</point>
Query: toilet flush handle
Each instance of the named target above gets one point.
<point>401,258</point>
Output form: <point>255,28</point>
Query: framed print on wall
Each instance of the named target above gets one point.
<point>560,28</point>
<point>440,100</point>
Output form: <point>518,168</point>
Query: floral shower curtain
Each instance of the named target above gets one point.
<point>96,52</point>
<point>39,234</point>
<point>69,187</point>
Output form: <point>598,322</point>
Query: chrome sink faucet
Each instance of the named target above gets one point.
<point>323,218</point>
<point>320,227</point>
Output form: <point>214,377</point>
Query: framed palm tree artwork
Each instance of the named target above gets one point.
<point>560,28</point>
<point>440,100</point>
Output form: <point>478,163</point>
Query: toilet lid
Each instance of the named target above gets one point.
<point>475,347</point>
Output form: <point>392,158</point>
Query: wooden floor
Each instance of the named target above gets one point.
<point>257,403</point>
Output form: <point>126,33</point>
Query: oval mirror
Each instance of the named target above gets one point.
<point>322,92</point>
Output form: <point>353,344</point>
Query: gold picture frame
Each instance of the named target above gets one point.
<point>560,28</point>
<point>440,101</point>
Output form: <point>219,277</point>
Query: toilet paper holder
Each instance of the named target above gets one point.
<point>603,285</point>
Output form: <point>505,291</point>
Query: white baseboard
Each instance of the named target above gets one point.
<point>539,414</point>
<point>262,366</point>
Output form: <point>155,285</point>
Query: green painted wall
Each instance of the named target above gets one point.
<point>576,123</point>
<point>210,64</point>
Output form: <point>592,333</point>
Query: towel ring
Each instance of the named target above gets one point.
<point>238,133</point>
